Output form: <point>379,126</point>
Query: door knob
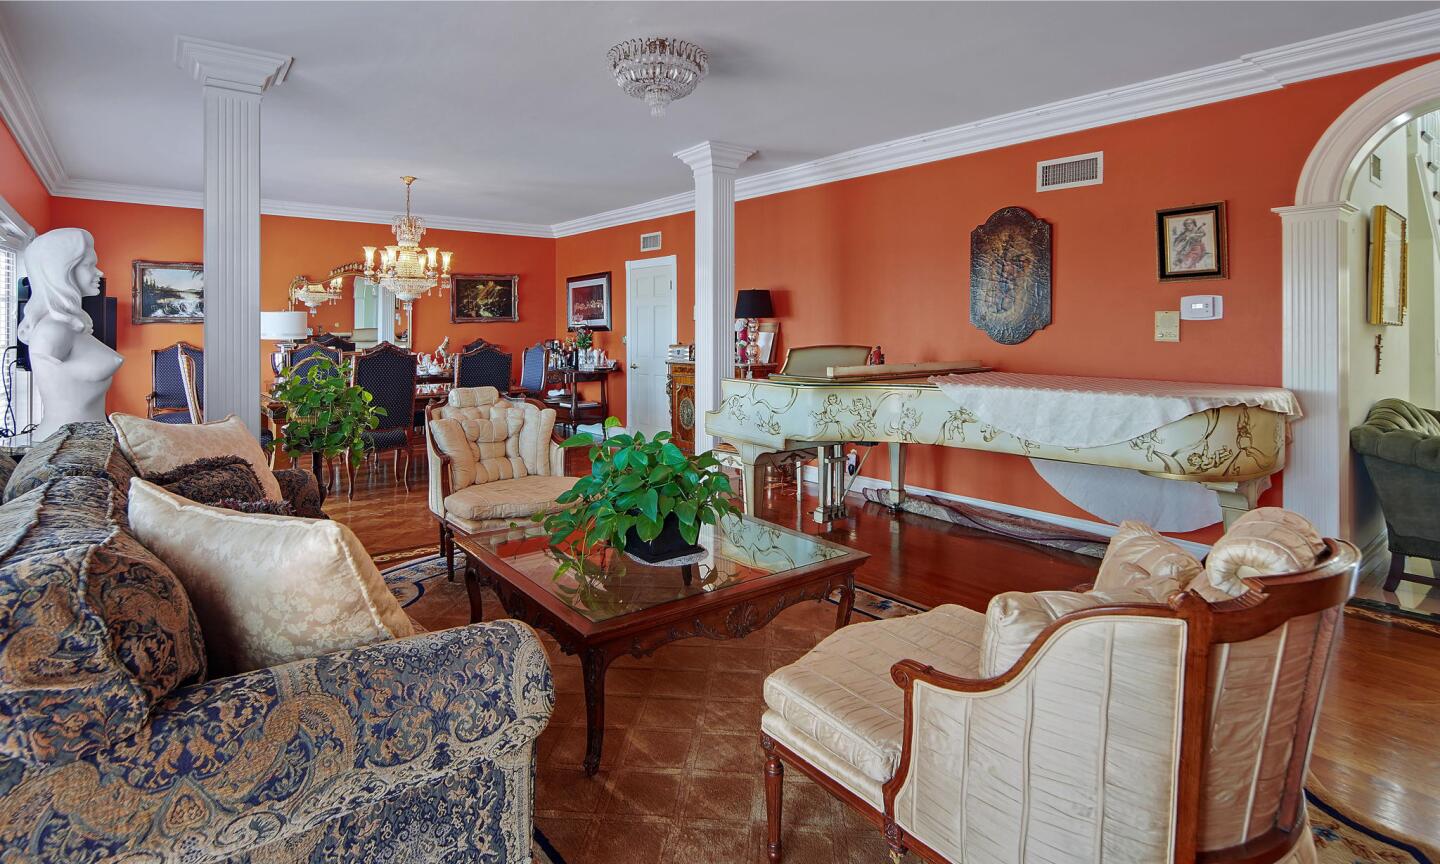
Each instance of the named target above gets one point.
<point>634,365</point>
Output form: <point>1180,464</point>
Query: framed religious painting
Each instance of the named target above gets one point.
<point>587,301</point>
<point>1192,242</point>
<point>1389,278</point>
<point>168,292</point>
<point>484,298</point>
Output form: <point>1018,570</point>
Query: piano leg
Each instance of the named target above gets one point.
<point>752,477</point>
<point>1238,497</point>
<point>897,477</point>
<point>830,469</point>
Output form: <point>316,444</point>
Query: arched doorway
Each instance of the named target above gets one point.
<point>1316,274</point>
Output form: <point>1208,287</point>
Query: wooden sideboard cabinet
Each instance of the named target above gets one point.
<point>680,383</point>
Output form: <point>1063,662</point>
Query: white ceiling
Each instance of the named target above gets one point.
<point>506,111</point>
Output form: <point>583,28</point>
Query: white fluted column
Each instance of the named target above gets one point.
<point>714,164</point>
<point>1317,249</point>
<point>234,80</point>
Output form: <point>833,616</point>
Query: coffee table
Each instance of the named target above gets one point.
<point>614,605</point>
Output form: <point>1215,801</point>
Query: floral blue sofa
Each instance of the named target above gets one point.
<point>115,747</point>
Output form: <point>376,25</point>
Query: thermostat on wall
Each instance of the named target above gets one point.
<point>1202,307</point>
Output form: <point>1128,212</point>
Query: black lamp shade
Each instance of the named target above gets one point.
<point>753,303</point>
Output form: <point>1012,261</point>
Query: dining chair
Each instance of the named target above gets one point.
<point>478,343</point>
<point>483,366</point>
<point>303,356</point>
<point>387,372</point>
<point>533,371</point>
<point>166,401</point>
<point>330,339</point>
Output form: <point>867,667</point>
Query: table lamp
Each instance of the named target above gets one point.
<point>752,304</point>
<point>286,327</point>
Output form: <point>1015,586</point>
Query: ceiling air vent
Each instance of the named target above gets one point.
<point>1085,170</point>
<point>650,242</point>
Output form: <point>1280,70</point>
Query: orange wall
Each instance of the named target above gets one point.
<point>289,247</point>
<point>609,249</point>
<point>885,259</point>
<point>20,185</point>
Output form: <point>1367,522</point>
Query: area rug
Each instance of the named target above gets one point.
<point>680,778</point>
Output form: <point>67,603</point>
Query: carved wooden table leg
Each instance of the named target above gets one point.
<point>847,602</point>
<point>593,663</point>
<point>774,786</point>
<point>474,584</point>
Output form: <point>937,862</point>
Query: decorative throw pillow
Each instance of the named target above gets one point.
<point>74,450</point>
<point>159,447</point>
<point>212,479</point>
<point>1160,566</point>
<point>272,508</point>
<point>1014,619</point>
<point>94,629</point>
<point>1263,542</point>
<point>267,589</point>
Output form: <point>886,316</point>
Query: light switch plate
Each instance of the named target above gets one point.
<point>1167,326</point>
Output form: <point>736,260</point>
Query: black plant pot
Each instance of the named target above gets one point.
<point>669,545</point>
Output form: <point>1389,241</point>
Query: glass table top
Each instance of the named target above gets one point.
<point>609,583</point>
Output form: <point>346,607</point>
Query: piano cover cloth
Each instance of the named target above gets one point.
<point>1077,411</point>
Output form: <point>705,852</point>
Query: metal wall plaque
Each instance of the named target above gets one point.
<point>1010,275</point>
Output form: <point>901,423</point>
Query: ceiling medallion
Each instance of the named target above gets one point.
<point>404,269</point>
<point>658,69</point>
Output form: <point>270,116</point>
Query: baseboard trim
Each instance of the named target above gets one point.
<point>1102,529</point>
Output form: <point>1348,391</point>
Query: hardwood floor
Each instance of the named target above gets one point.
<point>1377,754</point>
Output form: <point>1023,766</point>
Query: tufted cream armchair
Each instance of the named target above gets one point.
<point>492,461</point>
<point>1125,725</point>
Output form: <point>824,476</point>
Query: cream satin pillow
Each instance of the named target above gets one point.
<point>267,589</point>
<point>1014,619</point>
<point>1160,567</point>
<point>155,447</point>
<point>1263,542</point>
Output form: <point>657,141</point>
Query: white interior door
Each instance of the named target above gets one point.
<point>650,319</point>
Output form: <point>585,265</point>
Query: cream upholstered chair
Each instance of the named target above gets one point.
<point>492,461</point>
<point>1128,730</point>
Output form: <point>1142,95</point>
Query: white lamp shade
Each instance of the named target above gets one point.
<point>284,326</point>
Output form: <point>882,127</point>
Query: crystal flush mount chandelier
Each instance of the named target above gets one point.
<point>658,69</point>
<point>312,294</point>
<point>404,269</point>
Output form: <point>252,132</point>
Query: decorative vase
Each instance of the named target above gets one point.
<point>666,547</point>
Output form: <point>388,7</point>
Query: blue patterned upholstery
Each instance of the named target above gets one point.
<point>74,450</point>
<point>485,366</point>
<point>388,373</point>
<point>385,439</point>
<point>113,748</point>
<point>303,355</point>
<point>532,369</point>
<point>166,384</point>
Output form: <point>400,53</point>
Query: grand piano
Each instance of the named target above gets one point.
<point>818,404</point>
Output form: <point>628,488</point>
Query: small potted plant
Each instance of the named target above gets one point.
<point>326,416</point>
<point>644,496</point>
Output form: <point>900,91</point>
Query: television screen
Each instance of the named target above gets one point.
<point>101,309</point>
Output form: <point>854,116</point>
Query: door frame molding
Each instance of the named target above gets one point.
<point>630,267</point>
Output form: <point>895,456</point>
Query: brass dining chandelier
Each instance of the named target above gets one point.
<point>404,268</point>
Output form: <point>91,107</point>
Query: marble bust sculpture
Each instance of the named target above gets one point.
<point>72,368</point>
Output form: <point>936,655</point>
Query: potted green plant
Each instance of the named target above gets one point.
<point>326,415</point>
<point>642,495</point>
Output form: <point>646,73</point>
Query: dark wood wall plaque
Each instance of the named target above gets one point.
<point>1010,275</point>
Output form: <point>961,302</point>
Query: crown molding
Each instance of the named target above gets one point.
<point>20,114</point>
<point>1272,69</point>
<point>682,203</point>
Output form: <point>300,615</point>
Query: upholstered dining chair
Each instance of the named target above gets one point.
<point>1121,726</point>
<point>166,401</point>
<point>190,380</point>
<point>483,366</point>
<point>478,343</point>
<point>303,355</point>
<point>333,341</point>
<point>388,373</point>
<point>533,375</point>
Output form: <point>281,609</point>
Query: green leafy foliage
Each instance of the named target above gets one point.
<point>325,413</point>
<point>636,482</point>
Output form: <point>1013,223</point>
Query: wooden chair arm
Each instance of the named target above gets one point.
<point>435,453</point>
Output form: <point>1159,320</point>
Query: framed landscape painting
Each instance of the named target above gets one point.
<point>168,292</point>
<point>1192,242</point>
<point>477,298</point>
<point>587,301</point>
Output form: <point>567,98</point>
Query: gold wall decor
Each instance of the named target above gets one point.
<point>1389,271</point>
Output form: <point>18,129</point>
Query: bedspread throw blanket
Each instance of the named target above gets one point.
<point>1077,411</point>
